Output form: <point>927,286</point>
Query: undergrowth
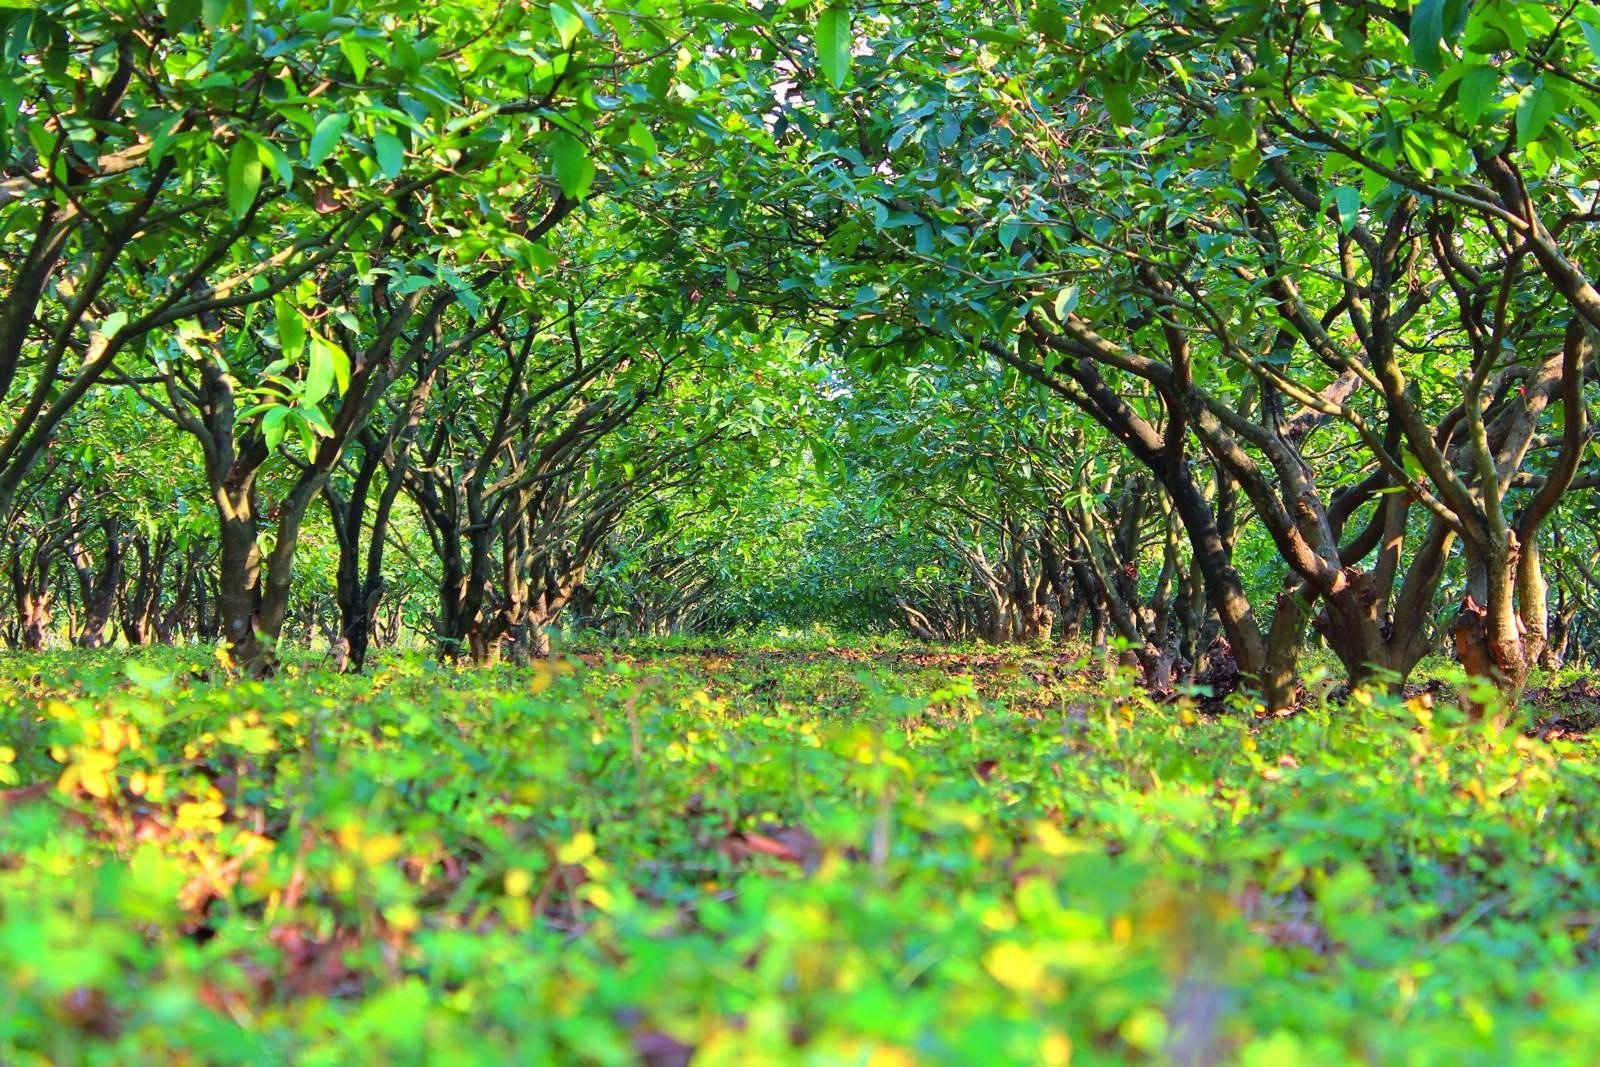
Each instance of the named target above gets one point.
<point>789,855</point>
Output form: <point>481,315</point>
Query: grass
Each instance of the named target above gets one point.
<point>776,854</point>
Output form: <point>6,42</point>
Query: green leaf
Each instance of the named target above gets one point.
<point>215,12</point>
<point>291,328</point>
<point>328,364</point>
<point>355,53</point>
<point>1066,302</point>
<point>1048,20</point>
<point>244,178</point>
<point>833,44</point>
<point>325,136</point>
<point>1535,109</point>
<point>341,368</point>
<point>391,154</point>
<point>1427,32</point>
<point>1591,34</point>
<point>567,22</point>
<point>307,432</point>
<point>1350,887</point>
<point>113,322</point>
<point>1477,88</point>
<point>150,679</point>
<point>162,141</point>
<point>1244,163</point>
<point>574,169</point>
<point>276,158</point>
<point>1119,102</point>
<point>644,140</point>
<point>1009,229</point>
<point>181,14</point>
<point>1347,201</point>
<point>314,420</point>
<point>319,375</point>
<point>272,426</point>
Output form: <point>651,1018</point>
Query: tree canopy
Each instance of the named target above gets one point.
<point>1222,331</point>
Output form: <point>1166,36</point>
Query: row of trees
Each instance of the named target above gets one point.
<point>351,254</point>
<point>1214,328</point>
<point>1323,268</point>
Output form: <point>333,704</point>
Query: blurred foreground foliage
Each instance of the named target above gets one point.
<point>776,855</point>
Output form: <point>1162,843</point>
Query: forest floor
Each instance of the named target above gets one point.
<point>747,855</point>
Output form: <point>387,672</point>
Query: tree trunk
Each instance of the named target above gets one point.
<point>239,578</point>
<point>1488,633</point>
<point>99,590</point>
<point>34,616</point>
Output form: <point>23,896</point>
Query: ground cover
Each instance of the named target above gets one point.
<point>743,854</point>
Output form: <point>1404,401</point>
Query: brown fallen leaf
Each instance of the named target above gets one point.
<point>656,1049</point>
<point>787,844</point>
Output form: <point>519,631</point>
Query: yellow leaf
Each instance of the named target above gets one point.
<point>1015,967</point>
<point>1145,1030</point>
<point>380,849</point>
<point>1052,842</point>
<point>96,784</point>
<point>200,814</point>
<point>542,677</point>
<point>580,848</point>
<point>518,882</point>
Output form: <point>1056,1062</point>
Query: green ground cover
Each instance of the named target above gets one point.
<point>776,855</point>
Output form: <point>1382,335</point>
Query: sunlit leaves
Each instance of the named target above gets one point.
<point>216,13</point>
<point>1434,25</point>
<point>327,133</point>
<point>1347,201</point>
<point>834,43</point>
<point>1119,102</point>
<point>567,21</point>
<point>1477,91</point>
<point>1065,302</point>
<point>1006,902</point>
<point>354,50</point>
<point>243,178</point>
<point>574,169</point>
<point>389,151</point>
<point>328,365</point>
<point>291,326</point>
<point>1536,106</point>
<point>1048,19</point>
